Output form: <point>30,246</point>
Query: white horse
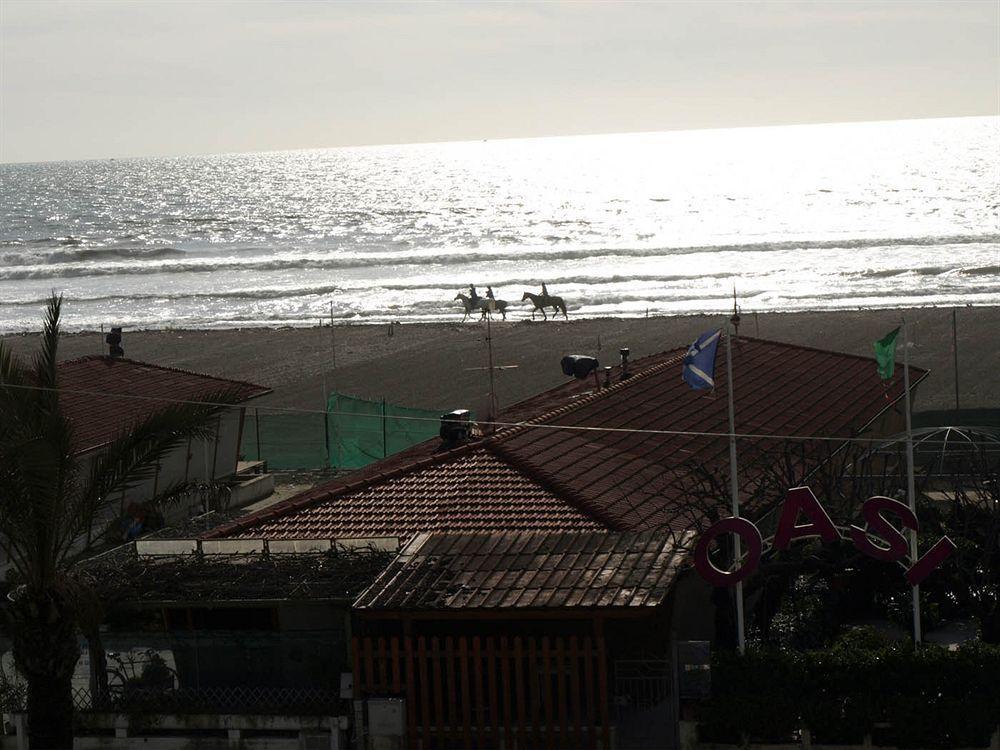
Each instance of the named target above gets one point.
<point>482,304</point>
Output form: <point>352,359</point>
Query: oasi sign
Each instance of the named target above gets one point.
<point>801,500</point>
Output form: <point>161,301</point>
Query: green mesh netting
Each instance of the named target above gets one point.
<point>353,434</point>
<point>363,431</point>
<point>285,441</point>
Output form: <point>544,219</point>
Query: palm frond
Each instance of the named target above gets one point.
<point>12,371</point>
<point>47,358</point>
<point>133,458</point>
<point>15,390</point>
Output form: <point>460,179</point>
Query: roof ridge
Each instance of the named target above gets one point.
<point>806,348</point>
<point>105,358</point>
<point>327,492</point>
<point>549,483</point>
<point>593,396</point>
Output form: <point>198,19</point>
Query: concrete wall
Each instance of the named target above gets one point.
<point>196,461</point>
<point>168,732</point>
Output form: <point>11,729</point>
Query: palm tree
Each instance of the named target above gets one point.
<point>50,504</point>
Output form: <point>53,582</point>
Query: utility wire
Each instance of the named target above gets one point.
<point>527,423</point>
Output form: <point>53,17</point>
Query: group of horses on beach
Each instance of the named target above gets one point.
<point>473,302</point>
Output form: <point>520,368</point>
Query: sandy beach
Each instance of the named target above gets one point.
<point>442,366</point>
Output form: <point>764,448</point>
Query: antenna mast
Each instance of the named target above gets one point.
<point>735,320</point>
<point>489,350</point>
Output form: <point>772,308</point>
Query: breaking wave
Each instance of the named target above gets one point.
<point>457,257</point>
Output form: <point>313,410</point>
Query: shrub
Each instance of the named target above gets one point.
<point>931,697</point>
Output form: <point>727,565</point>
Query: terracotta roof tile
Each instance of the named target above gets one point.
<point>474,490</point>
<point>628,475</point>
<point>102,396</point>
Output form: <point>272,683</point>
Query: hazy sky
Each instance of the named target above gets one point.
<point>100,79</point>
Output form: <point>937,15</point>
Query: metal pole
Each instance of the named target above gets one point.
<point>489,348</point>
<point>256,425</point>
<point>734,489</point>
<point>911,494</point>
<point>954,348</point>
<point>333,340</point>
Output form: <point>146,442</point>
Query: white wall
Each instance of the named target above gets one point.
<point>191,462</point>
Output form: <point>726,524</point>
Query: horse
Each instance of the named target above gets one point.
<point>467,303</point>
<point>540,302</point>
<point>482,304</point>
<point>500,305</point>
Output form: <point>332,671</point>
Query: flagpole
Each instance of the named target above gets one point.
<point>911,494</point>
<point>734,492</point>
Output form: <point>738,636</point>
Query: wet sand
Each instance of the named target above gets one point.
<point>443,365</point>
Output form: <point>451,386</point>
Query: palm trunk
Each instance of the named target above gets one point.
<point>50,712</point>
<point>45,652</point>
<point>98,668</point>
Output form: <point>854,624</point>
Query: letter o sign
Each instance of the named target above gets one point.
<point>752,543</point>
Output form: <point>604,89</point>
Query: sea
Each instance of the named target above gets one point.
<point>806,217</point>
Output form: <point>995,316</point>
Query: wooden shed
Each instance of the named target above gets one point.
<point>524,639</point>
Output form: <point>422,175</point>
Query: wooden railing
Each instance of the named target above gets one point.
<point>491,692</point>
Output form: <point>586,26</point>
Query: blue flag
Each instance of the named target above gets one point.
<point>699,363</point>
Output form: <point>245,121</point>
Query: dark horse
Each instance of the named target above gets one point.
<point>541,301</point>
<point>481,304</point>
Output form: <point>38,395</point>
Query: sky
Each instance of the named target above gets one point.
<point>146,78</point>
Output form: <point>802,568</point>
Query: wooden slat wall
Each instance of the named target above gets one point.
<point>469,693</point>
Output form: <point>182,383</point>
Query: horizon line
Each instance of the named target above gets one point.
<point>503,138</point>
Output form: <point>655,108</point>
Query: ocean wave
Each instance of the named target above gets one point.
<point>455,257</point>
<point>886,273</point>
<point>446,290</point>
<point>91,254</point>
<point>993,270</point>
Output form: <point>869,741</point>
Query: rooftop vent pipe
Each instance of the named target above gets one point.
<point>114,342</point>
<point>624,352</point>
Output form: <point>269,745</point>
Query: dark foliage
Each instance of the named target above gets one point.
<point>863,686</point>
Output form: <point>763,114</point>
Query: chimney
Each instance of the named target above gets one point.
<point>114,342</point>
<point>456,427</point>
<point>624,352</point>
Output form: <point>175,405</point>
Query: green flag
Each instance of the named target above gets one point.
<point>885,354</point>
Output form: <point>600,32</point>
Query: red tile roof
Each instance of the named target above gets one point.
<point>467,489</point>
<point>640,479</point>
<point>618,470</point>
<point>527,570</point>
<point>102,396</point>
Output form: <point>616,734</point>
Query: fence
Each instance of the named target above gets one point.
<point>362,431</point>
<point>210,700</point>
<point>353,433</point>
<point>207,671</point>
<point>491,692</point>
